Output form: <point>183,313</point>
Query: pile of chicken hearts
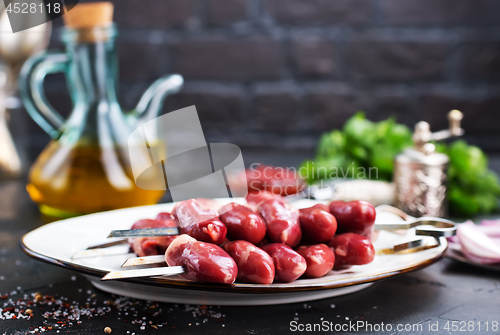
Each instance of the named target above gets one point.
<point>265,241</point>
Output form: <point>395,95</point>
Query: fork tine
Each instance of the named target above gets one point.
<point>146,232</point>
<point>107,244</point>
<point>153,272</point>
<point>144,261</point>
<point>101,252</point>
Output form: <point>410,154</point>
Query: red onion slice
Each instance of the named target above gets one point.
<point>478,246</point>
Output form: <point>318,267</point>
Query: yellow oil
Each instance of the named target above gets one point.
<point>69,181</point>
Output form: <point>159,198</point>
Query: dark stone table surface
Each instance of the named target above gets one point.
<point>447,292</point>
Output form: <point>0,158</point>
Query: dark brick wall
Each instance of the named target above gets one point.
<point>276,73</point>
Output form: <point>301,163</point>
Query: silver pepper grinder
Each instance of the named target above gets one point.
<point>420,173</point>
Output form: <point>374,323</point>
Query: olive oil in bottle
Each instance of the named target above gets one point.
<point>73,180</point>
<point>86,167</point>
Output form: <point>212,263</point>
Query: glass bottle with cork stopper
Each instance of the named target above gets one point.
<point>420,173</point>
<point>86,168</point>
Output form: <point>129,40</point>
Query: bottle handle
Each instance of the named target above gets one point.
<point>31,80</point>
<point>152,99</point>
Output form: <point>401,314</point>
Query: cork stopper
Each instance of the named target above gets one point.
<point>89,15</point>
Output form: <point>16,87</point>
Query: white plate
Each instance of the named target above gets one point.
<point>455,253</point>
<point>56,242</point>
